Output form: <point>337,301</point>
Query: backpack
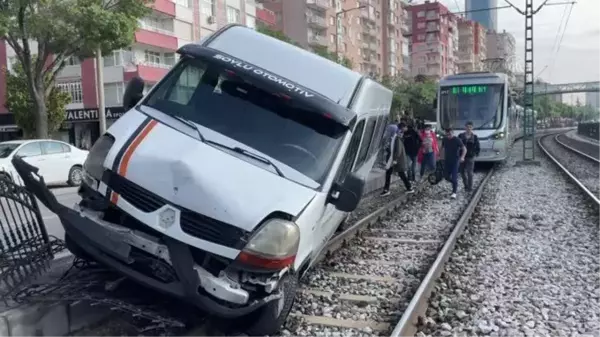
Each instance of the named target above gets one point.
<point>437,176</point>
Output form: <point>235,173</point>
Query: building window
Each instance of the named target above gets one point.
<point>233,15</point>
<point>184,3</point>
<point>420,14</point>
<point>72,61</point>
<point>152,57</point>
<point>250,21</point>
<point>73,89</point>
<point>113,94</point>
<point>208,7</point>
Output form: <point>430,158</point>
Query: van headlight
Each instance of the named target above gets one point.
<point>499,135</point>
<point>94,163</point>
<point>273,247</point>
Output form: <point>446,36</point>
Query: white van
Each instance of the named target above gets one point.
<point>223,184</point>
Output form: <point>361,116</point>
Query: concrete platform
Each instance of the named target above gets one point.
<point>574,135</point>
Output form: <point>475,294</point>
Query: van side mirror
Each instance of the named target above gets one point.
<point>133,93</point>
<point>347,195</point>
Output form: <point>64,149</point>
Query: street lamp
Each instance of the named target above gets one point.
<point>337,18</point>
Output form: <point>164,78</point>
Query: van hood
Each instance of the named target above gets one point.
<point>207,180</point>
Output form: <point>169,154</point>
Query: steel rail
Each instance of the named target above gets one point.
<point>407,326</point>
<point>572,149</point>
<point>574,179</point>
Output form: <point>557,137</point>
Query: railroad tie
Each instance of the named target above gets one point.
<point>343,323</point>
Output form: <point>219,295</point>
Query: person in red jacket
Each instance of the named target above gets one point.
<point>429,151</point>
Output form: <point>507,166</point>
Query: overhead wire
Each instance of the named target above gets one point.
<point>561,39</point>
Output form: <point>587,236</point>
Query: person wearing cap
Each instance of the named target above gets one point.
<point>454,154</point>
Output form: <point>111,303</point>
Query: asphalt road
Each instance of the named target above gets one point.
<point>67,196</point>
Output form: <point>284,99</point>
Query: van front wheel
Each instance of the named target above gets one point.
<point>269,319</point>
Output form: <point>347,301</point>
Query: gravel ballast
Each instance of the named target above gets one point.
<point>432,214</point>
<point>584,169</point>
<point>528,263</point>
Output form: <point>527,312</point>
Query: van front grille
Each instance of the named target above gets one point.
<point>192,223</point>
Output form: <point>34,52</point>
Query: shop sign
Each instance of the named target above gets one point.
<point>91,115</point>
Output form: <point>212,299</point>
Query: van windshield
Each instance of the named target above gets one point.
<point>271,123</point>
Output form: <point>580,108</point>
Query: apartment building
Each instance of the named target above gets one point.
<point>472,49</point>
<point>172,24</point>
<point>501,46</point>
<point>434,37</point>
<point>291,17</point>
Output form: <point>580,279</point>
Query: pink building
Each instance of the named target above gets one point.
<point>172,24</point>
<point>434,40</point>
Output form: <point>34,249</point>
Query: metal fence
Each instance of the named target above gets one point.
<point>589,130</point>
<point>25,247</point>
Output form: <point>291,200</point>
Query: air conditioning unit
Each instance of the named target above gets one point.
<point>210,20</point>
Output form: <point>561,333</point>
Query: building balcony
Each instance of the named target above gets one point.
<point>405,28</point>
<point>433,28</point>
<point>435,16</point>
<point>316,22</point>
<point>149,72</point>
<point>266,16</point>
<point>318,4</point>
<point>366,15</point>
<point>165,7</point>
<point>156,37</point>
<point>317,40</point>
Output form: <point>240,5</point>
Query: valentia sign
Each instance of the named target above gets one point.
<point>91,115</point>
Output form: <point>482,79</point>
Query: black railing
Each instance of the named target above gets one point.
<point>589,129</point>
<point>25,247</point>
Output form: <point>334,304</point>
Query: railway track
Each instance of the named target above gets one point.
<point>580,167</point>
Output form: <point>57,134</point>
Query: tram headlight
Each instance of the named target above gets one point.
<point>499,135</point>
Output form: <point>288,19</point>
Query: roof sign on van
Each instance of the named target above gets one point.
<point>248,67</point>
<point>320,104</point>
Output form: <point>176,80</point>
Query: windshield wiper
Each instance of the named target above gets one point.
<point>191,125</point>
<point>249,154</point>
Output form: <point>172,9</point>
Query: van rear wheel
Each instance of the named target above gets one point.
<point>269,319</point>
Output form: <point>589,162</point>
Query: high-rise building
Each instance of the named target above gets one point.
<point>170,25</point>
<point>479,11</point>
<point>471,46</point>
<point>434,40</point>
<point>501,46</point>
<point>292,17</point>
<point>593,99</point>
<point>369,34</point>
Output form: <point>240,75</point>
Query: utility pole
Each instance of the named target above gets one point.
<point>528,83</point>
<point>100,91</point>
<point>337,33</point>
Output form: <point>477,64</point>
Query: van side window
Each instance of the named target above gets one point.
<point>376,142</point>
<point>351,152</point>
<point>367,140</point>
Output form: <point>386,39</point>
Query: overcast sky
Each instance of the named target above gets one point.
<point>578,59</point>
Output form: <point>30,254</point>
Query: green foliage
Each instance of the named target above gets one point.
<point>62,29</point>
<point>19,102</point>
<point>548,111</point>
<point>319,50</point>
<point>412,96</point>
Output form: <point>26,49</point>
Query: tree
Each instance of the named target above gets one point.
<point>20,103</point>
<point>63,29</point>
<point>279,35</point>
<point>319,50</point>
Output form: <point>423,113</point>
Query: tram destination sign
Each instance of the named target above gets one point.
<point>91,115</point>
<point>469,90</point>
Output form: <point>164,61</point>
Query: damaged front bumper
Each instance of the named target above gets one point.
<point>112,245</point>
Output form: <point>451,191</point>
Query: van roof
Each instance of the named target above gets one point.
<point>314,72</point>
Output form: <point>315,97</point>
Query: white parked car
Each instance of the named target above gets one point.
<point>58,162</point>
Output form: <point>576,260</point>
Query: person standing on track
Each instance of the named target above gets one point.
<point>412,144</point>
<point>396,161</point>
<point>471,142</point>
<point>454,154</point>
<point>428,152</point>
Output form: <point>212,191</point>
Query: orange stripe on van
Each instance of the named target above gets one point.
<point>124,164</point>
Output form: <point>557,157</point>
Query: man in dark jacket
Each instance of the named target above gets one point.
<point>469,139</point>
<point>396,161</point>
<point>412,144</point>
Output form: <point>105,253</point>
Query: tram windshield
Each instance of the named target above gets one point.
<point>481,104</point>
